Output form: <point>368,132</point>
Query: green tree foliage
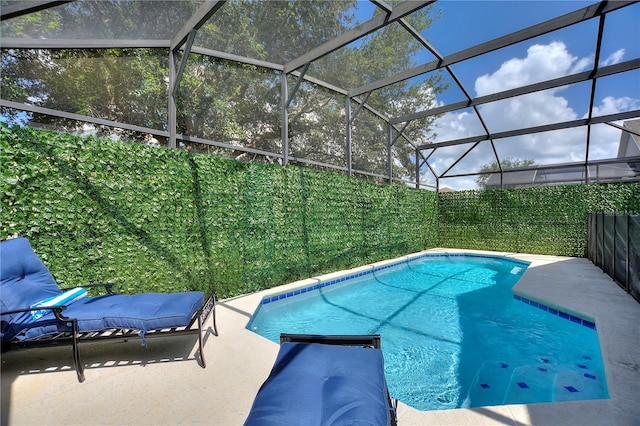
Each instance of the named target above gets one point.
<point>218,99</point>
<point>124,85</point>
<point>507,163</point>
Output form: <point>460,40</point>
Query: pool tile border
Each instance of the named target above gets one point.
<point>322,284</point>
<point>554,311</point>
<point>291,293</point>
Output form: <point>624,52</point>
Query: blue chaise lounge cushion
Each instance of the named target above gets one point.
<point>319,384</point>
<point>24,281</point>
<point>144,312</point>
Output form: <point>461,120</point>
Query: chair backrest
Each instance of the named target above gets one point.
<point>24,279</point>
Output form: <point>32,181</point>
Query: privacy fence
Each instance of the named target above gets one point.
<point>154,219</point>
<point>542,220</point>
<point>614,246</point>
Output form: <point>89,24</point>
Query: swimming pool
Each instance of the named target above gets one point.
<point>453,333</point>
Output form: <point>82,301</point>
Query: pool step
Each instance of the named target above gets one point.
<point>489,385</point>
<point>530,384</point>
<point>579,385</point>
<point>498,383</point>
<point>555,383</point>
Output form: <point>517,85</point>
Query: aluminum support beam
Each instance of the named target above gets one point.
<point>289,96</point>
<point>532,88</point>
<point>348,134</point>
<point>284,132</point>
<point>360,106</point>
<point>228,146</point>
<point>377,22</point>
<point>26,7</point>
<point>197,20</point>
<point>537,129</point>
<point>237,58</point>
<point>183,62</point>
<point>399,133</point>
<point>576,165</point>
<point>569,19</point>
<point>624,129</point>
<point>420,161</point>
<point>455,163</point>
<point>78,117</point>
<point>66,43</point>
<point>418,164</point>
<point>592,95</point>
<point>172,118</point>
<point>389,145</point>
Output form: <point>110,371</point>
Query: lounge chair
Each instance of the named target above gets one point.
<point>35,312</point>
<point>325,380</point>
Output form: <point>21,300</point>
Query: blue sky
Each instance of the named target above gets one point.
<point>463,24</point>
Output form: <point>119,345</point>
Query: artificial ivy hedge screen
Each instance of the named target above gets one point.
<point>543,220</point>
<point>153,219</point>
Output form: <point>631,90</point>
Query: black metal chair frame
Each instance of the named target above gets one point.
<point>74,337</point>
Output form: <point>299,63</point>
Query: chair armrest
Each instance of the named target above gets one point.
<point>108,287</point>
<point>57,310</point>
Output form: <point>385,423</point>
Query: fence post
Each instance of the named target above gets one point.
<point>594,237</point>
<point>628,254</point>
<point>613,258</point>
<point>593,241</point>
<point>589,236</point>
<point>602,240</point>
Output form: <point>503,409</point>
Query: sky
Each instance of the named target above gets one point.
<point>464,24</point>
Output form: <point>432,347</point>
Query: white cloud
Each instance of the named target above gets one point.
<point>614,58</point>
<point>541,63</point>
<point>611,105</point>
<point>605,139</point>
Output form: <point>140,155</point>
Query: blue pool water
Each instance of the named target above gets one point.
<point>453,333</point>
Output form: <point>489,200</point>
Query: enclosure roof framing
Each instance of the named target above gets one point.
<point>536,129</point>
<point>22,8</point>
<point>34,43</point>
<point>573,18</point>
<point>208,27</point>
<point>197,20</point>
<point>375,23</point>
<point>524,90</point>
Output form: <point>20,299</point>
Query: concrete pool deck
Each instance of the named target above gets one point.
<point>134,385</point>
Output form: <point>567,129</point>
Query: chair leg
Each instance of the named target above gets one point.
<point>200,344</point>
<point>215,327</point>
<point>77,365</point>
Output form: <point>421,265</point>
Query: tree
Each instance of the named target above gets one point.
<point>507,163</point>
<point>223,100</point>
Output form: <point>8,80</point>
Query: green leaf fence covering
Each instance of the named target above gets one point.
<point>542,220</point>
<point>154,219</point>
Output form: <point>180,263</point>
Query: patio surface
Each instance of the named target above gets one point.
<point>134,385</point>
